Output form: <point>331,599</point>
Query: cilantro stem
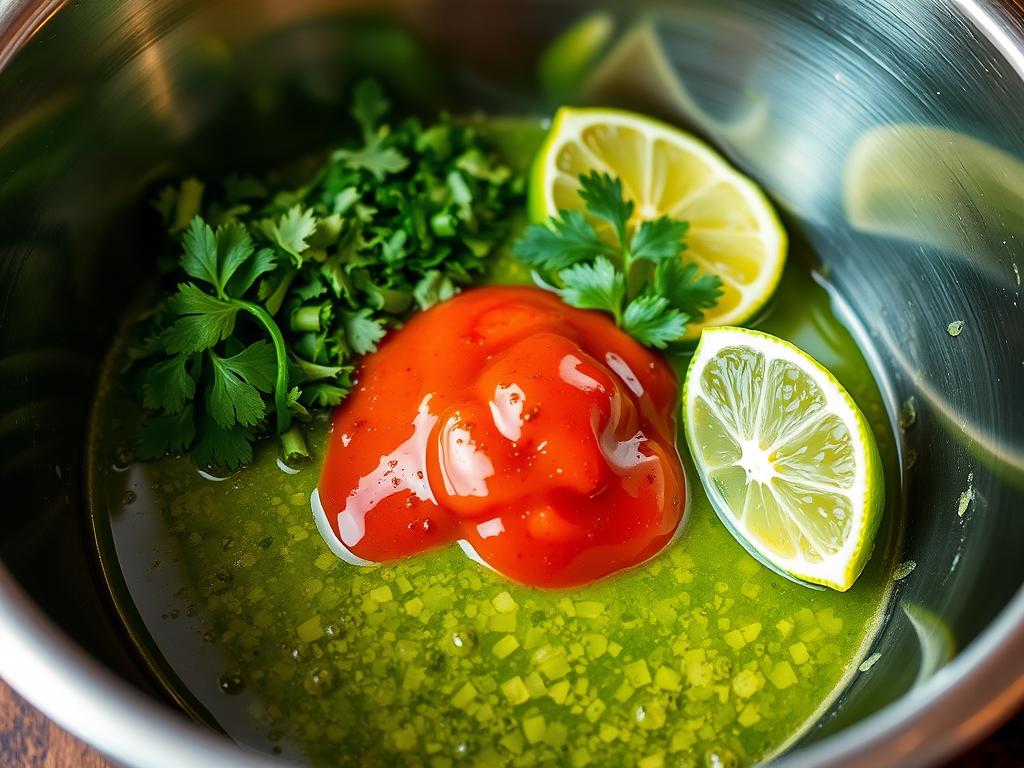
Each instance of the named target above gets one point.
<point>284,418</point>
<point>627,276</point>
<point>306,319</point>
<point>293,446</point>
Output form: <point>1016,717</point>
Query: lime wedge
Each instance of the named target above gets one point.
<point>569,58</point>
<point>734,232</point>
<point>786,457</point>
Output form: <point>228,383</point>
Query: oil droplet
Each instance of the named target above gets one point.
<point>463,641</point>
<point>128,497</point>
<point>319,681</point>
<point>721,758</point>
<point>954,328</point>
<point>231,683</point>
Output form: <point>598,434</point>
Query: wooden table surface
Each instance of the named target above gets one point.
<point>29,740</point>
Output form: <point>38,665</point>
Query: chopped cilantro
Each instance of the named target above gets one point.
<point>278,289</point>
<point>635,273</point>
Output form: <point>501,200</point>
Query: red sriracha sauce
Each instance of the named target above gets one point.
<point>539,436</point>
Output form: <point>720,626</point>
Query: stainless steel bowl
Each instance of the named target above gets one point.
<point>892,136</point>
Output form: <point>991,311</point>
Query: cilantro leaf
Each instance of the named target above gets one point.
<point>167,433</point>
<point>312,288</point>
<point>305,371</point>
<point>231,399</point>
<point>566,239</point>
<point>375,158</point>
<point>256,364</point>
<point>393,248</point>
<point>250,271</point>
<point>215,257</point>
<point>296,408</point>
<point>433,288</point>
<point>654,302</point>
<point>476,164</point>
<point>598,285</point>
<point>325,395</point>
<point>393,301</point>
<point>234,246</point>
<point>602,197</point>
<point>659,240</point>
<point>291,230</point>
<point>218,446</point>
<point>277,285</point>
<point>368,106</point>
<point>168,386</point>
<point>363,331</point>
<point>274,287</point>
<point>199,254</point>
<point>652,321</point>
<point>206,320</point>
<point>686,289</point>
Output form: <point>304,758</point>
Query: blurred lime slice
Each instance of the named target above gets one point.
<point>786,457</point>
<point>937,644</point>
<point>569,58</point>
<point>919,183</point>
<point>637,73</point>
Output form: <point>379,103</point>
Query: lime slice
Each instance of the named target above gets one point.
<point>569,58</point>
<point>786,457</point>
<point>896,183</point>
<point>734,232</point>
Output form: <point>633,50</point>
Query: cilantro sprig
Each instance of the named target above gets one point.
<point>600,259</point>
<point>279,285</point>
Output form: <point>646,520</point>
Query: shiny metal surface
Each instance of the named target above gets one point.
<point>892,136</point>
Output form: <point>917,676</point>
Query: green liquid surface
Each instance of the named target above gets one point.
<point>243,612</point>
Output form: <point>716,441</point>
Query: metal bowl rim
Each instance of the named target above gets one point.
<point>963,702</point>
